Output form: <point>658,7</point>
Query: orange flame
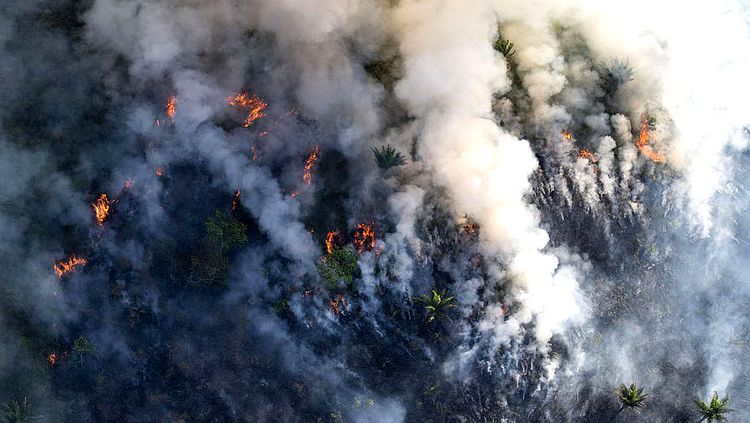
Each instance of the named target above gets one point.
<point>567,135</point>
<point>101,209</point>
<point>63,267</point>
<point>586,154</point>
<point>52,358</point>
<point>253,104</point>
<point>235,200</point>
<point>170,108</point>
<point>309,163</point>
<point>332,239</point>
<point>644,147</point>
<point>336,304</point>
<point>364,237</point>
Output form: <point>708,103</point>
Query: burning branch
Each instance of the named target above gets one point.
<point>63,267</point>
<point>253,104</point>
<point>364,237</point>
<point>333,240</point>
<point>643,145</point>
<point>101,209</point>
<point>312,158</point>
<point>170,107</point>
<point>586,154</point>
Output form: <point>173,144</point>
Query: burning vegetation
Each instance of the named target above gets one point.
<point>333,240</point>
<point>253,105</point>
<point>236,200</point>
<point>567,135</point>
<point>66,266</point>
<point>364,237</point>
<point>170,108</point>
<point>643,145</point>
<point>52,358</point>
<point>586,154</point>
<point>101,209</point>
<point>312,158</point>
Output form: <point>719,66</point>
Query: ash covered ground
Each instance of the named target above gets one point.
<point>374,211</point>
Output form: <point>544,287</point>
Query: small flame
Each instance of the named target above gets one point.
<point>236,200</point>
<point>253,104</point>
<point>159,171</point>
<point>337,303</point>
<point>101,209</point>
<point>644,147</point>
<point>364,237</point>
<point>52,358</point>
<point>332,240</point>
<point>567,135</point>
<point>128,184</point>
<point>469,226</point>
<point>586,154</point>
<point>309,163</point>
<point>294,194</point>
<point>63,267</point>
<point>170,108</point>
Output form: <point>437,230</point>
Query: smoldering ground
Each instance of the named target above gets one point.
<point>556,207</point>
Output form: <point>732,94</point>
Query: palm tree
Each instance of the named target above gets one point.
<point>505,47</point>
<point>437,305</point>
<point>387,157</point>
<point>16,412</point>
<point>631,396</point>
<point>715,409</point>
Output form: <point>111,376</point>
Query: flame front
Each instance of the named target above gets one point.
<point>171,107</point>
<point>63,267</point>
<point>101,209</point>
<point>309,163</point>
<point>364,237</point>
<point>644,147</point>
<point>586,154</point>
<point>253,104</point>
<point>331,241</point>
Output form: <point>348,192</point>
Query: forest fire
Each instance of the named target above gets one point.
<point>236,200</point>
<point>101,209</point>
<point>309,163</point>
<point>644,147</point>
<point>64,267</point>
<point>171,107</point>
<point>333,240</point>
<point>586,154</point>
<point>364,237</point>
<point>52,358</point>
<point>253,104</point>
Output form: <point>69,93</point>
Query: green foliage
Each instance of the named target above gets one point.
<point>281,306</point>
<point>339,265</point>
<point>437,305</point>
<point>226,232</point>
<point>505,47</point>
<point>631,396</point>
<point>715,409</point>
<point>16,412</point>
<point>83,346</point>
<point>387,157</point>
<point>209,265</point>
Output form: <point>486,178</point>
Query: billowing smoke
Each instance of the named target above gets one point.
<point>373,211</point>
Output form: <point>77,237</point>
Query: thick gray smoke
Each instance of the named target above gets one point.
<point>373,211</point>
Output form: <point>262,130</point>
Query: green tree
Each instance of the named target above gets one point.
<point>631,396</point>
<point>226,232</point>
<point>83,346</point>
<point>715,409</point>
<point>338,266</point>
<point>387,157</point>
<point>504,47</point>
<point>16,412</point>
<point>437,305</point>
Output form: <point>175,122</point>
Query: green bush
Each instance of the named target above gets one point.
<point>338,266</point>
